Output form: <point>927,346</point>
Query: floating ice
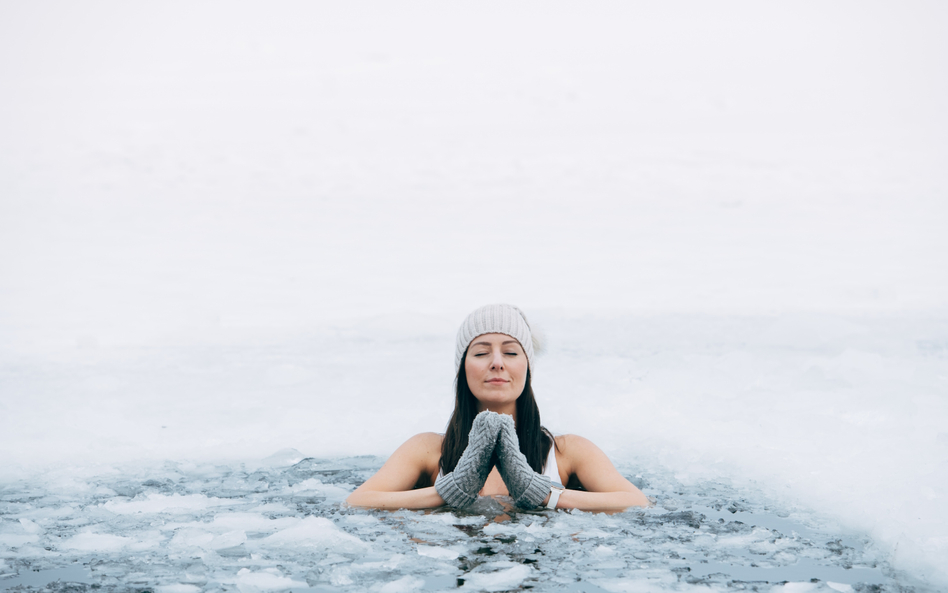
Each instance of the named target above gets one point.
<point>402,585</point>
<point>160,503</point>
<point>316,532</point>
<point>268,579</point>
<point>496,576</point>
<point>438,552</point>
<point>177,588</point>
<point>282,538</point>
<point>96,542</point>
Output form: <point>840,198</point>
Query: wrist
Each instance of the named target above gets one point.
<point>551,501</point>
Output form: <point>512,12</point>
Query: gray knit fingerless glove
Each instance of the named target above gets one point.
<point>526,487</point>
<point>460,487</point>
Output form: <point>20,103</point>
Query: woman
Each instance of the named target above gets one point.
<point>494,444</point>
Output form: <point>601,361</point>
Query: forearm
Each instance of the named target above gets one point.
<point>422,498</point>
<point>600,501</point>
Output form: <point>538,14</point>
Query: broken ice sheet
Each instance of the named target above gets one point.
<point>184,528</point>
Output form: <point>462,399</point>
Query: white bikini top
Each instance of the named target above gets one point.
<point>551,470</point>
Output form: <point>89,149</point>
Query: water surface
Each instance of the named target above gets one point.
<point>181,527</point>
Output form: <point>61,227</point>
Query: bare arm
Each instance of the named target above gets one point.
<point>391,487</point>
<point>606,489</point>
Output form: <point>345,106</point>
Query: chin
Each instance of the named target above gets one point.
<point>496,401</point>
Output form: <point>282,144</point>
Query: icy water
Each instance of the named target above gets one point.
<point>180,528</point>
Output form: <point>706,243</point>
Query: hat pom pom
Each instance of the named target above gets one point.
<point>538,339</point>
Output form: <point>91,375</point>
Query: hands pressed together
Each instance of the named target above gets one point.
<point>493,439</point>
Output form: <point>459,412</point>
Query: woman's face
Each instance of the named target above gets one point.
<point>496,370</point>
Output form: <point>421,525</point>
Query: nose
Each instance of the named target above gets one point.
<point>497,361</point>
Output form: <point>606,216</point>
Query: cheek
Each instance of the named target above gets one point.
<point>472,368</point>
<point>521,371</point>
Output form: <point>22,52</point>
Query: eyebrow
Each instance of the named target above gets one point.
<point>489,344</point>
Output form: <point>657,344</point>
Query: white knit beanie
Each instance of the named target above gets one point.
<point>495,319</point>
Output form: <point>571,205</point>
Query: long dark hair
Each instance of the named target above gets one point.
<point>535,440</point>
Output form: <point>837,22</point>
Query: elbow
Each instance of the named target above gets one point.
<point>637,499</point>
<point>355,499</point>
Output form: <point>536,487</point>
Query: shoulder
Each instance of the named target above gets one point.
<point>428,437</point>
<point>574,450</point>
<point>425,443</point>
<point>591,468</point>
<point>421,453</point>
<point>573,443</point>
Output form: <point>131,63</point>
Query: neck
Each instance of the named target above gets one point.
<point>509,409</point>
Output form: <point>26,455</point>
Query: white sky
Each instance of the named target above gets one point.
<point>168,167</point>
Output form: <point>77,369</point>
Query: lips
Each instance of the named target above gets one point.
<point>498,381</point>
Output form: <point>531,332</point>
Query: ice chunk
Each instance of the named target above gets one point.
<point>496,580</point>
<point>452,519</point>
<point>227,540</point>
<point>177,588</point>
<point>504,528</point>
<point>96,542</point>
<point>797,588</point>
<point>269,579</point>
<point>331,492</point>
<point>161,503</point>
<point>315,532</point>
<point>644,583</point>
<point>340,576</point>
<point>402,585</point>
<point>594,533</point>
<point>283,458</point>
<point>15,540</point>
<point>251,522</point>
<point>30,526</point>
<point>331,559</point>
<point>604,551</point>
<point>438,552</point>
<point>362,520</point>
<point>186,537</point>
